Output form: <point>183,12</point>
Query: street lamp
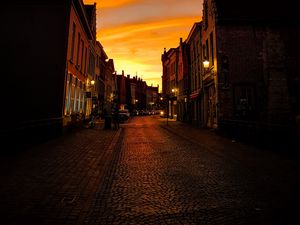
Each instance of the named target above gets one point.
<point>206,64</point>
<point>174,90</point>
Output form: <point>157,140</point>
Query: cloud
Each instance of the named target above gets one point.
<point>147,11</point>
<point>110,3</point>
<point>135,32</point>
<point>137,48</point>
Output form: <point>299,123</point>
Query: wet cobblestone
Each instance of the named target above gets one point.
<point>148,173</point>
<point>164,178</point>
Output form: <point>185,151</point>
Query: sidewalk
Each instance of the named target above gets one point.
<point>56,179</point>
<point>216,142</point>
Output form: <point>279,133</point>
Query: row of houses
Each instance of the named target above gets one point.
<point>54,71</point>
<point>134,94</point>
<point>237,70</point>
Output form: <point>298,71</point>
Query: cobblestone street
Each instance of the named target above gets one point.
<point>148,172</point>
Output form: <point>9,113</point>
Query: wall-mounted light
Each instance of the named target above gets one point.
<point>206,64</point>
<point>92,82</point>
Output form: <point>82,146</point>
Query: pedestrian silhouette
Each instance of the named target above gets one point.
<point>107,119</point>
<point>116,118</point>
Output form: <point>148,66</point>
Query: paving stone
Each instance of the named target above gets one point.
<point>147,172</point>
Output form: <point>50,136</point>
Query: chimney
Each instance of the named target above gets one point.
<point>123,72</point>
<point>128,76</point>
<point>164,50</point>
<point>181,40</point>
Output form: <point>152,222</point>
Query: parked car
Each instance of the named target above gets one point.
<point>124,115</point>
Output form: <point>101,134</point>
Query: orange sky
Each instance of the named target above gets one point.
<point>134,33</point>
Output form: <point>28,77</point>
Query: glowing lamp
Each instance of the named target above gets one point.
<point>206,64</point>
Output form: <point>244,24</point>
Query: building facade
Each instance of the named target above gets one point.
<point>170,85</point>
<point>53,64</point>
<point>195,72</point>
<point>183,82</point>
<point>253,65</point>
<point>242,68</point>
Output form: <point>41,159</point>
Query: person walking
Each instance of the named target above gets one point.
<point>92,119</point>
<point>107,119</point>
<point>116,118</point>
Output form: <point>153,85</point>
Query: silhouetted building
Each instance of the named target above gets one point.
<point>242,70</point>
<point>110,83</point>
<point>48,47</point>
<point>252,48</point>
<point>121,86</point>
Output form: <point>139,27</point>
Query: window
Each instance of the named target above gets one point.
<point>69,89</point>
<point>75,95</point>
<point>82,54</point>
<point>91,68</point>
<point>244,101</point>
<point>73,41</point>
<point>85,58</point>
<point>68,94</point>
<point>211,40</point>
<point>78,49</point>
<point>207,50</point>
<point>72,96</point>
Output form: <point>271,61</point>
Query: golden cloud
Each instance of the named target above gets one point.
<point>110,3</point>
<point>137,48</point>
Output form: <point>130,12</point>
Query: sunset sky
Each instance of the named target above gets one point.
<point>134,33</point>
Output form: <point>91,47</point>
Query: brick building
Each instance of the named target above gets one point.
<point>242,68</point>
<point>195,72</point>
<point>251,87</point>
<point>183,82</point>
<point>170,84</point>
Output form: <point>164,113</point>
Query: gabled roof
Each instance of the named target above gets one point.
<point>196,28</point>
<point>269,11</point>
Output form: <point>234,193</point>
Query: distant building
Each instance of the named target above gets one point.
<point>121,86</point>
<point>170,85</point>
<point>152,95</point>
<point>110,83</point>
<point>183,90</point>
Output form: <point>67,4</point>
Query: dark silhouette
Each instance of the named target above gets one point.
<point>107,119</point>
<point>116,119</point>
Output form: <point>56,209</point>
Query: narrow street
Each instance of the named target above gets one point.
<point>148,172</point>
